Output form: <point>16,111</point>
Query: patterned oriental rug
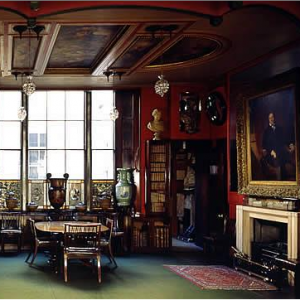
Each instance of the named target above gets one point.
<point>219,278</point>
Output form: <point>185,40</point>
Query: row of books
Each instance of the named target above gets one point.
<point>157,167</point>
<point>140,238</point>
<point>157,176</point>
<point>158,149</point>
<point>158,157</point>
<point>158,186</point>
<point>157,197</point>
<point>161,237</point>
<point>158,207</point>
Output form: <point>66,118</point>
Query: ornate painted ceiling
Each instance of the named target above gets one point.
<point>129,46</point>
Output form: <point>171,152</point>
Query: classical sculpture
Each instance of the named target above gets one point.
<point>156,125</point>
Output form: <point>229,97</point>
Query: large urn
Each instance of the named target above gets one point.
<point>11,201</point>
<point>57,190</point>
<point>124,187</point>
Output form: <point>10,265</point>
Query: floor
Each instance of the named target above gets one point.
<point>138,276</point>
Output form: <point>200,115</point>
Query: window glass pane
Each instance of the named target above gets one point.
<point>56,163</point>
<point>75,164</point>
<point>10,103</point>
<point>10,135</point>
<point>74,135</point>
<point>37,106</point>
<point>56,135</point>
<point>103,164</point>
<point>102,103</point>
<point>10,164</point>
<point>56,105</point>
<point>75,105</point>
<point>37,129</point>
<point>102,134</point>
<point>37,164</point>
<point>42,139</point>
<point>33,140</point>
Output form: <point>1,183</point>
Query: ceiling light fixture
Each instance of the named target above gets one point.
<point>114,114</point>
<point>162,85</point>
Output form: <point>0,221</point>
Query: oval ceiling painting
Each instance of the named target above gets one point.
<point>190,49</point>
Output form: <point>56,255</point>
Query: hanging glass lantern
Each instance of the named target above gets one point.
<point>22,113</point>
<point>114,114</point>
<point>161,86</point>
<point>29,86</point>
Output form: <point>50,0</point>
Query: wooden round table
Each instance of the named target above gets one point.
<point>59,226</point>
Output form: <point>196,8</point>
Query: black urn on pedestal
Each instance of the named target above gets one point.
<point>57,190</point>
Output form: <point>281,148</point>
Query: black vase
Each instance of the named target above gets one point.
<point>57,190</point>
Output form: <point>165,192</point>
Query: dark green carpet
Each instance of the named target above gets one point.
<point>138,276</point>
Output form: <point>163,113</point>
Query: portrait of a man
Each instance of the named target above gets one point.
<point>272,136</point>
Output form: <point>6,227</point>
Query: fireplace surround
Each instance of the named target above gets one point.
<point>245,227</point>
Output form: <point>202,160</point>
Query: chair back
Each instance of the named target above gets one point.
<point>84,235</point>
<point>10,220</point>
<point>109,224</point>
<point>32,228</point>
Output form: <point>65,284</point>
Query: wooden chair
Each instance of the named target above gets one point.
<point>106,241</point>
<point>11,229</point>
<point>82,241</point>
<point>37,241</point>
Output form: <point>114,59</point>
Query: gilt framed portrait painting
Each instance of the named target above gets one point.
<point>267,138</point>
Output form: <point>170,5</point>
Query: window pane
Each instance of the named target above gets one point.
<point>103,164</point>
<point>10,135</point>
<point>56,105</point>
<point>37,164</point>
<point>75,164</point>
<point>75,105</point>
<point>10,103</point>
<point>10,164</point>
<point>37,106</point>
<point>74,135</point>
<point>37,129</point>
<point>102,103</point>
<point>33,140</point>
<point>102,134</point>
<point>56,163</point>
<point>56,135</point>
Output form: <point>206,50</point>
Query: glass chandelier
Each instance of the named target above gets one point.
<point>114,114</point>
<point>29,86</point>
<point>161,86</point>
<point>22,113</point>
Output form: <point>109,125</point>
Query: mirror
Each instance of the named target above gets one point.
<point>216,108</point>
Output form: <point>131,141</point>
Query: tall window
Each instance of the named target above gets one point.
<point>10,136</point>
<point>56,134</point>
<point>103,141</point>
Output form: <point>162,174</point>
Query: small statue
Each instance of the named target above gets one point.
<point>156,125</point>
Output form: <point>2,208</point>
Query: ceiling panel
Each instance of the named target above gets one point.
<point>139,48</point>
<point>78,46</point>
<point>24,52</point>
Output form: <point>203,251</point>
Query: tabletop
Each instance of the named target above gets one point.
<point>59,226</point>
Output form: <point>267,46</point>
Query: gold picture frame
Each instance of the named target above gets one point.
<point>268,138</point>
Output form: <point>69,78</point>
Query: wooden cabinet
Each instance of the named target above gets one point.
<point>158,177</point>
<point>151,234</point>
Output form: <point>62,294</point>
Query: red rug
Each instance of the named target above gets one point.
<point>219,278</point>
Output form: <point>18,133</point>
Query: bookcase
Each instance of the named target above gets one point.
<point>150,234</point>
<point>157,177</point>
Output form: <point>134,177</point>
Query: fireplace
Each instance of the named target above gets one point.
<point>255,225</point>
<point>269,241</point>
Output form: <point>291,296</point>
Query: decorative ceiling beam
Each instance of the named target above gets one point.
<point>117,50</point>
<point>45,50</point>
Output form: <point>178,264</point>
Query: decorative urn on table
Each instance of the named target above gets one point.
<point>11,201</point>
<point>124,187</point>
<point>57,190</point>
<point>32,206</point>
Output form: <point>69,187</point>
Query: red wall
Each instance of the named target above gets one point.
<point>169,105</point>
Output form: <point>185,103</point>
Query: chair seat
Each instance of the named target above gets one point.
<point>81,250</point>
<point>11,231</point>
